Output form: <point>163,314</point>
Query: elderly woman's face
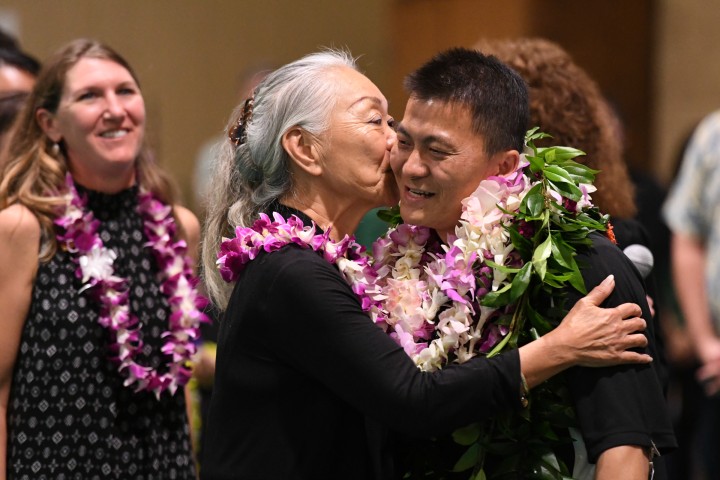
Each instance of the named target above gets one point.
<point>100,120</point>
<point>356,149</point>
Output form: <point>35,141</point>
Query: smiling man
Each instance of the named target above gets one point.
<point>466,120</point>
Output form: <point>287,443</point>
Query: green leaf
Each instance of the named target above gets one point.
<point>548,154</point>
<point>480,475</point>
<point>390,216</point>
<point>502,268</point>
<point>468,459</point>
<point>533,201</point>
<point>558,154</point>
<point>536,163</point>
<point>535,204</point>
<point>561,252</point>
<point>576,280</point>
<point>540,256</point>
<point>557,174</point>
<point>568,190</point>
<point>467,435</point>
<point>534,134</point>
<point>537,321</point>
<point>520,282</point>
<point>521,244</point>
<point>498,298</point>
<point>580,174</point>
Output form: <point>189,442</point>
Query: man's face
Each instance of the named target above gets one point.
<point>438,161</point>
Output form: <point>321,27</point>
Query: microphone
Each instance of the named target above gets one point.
<point>641,257</point>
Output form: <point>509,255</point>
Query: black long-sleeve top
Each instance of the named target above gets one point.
<point>306,383</point>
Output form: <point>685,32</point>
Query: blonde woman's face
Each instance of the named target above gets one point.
<point>100,121</point>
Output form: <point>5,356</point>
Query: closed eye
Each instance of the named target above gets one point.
<point>403,143</point>
<point>436,151</point>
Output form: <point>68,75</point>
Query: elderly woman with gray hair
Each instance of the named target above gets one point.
<point>307,386</point>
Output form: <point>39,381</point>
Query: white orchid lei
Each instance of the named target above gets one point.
<point>78,234</point>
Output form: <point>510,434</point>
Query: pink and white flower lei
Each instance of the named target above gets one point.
<point>79,236</point>
<point>426,295</point>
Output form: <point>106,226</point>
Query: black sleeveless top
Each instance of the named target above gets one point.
<point>69,415</point>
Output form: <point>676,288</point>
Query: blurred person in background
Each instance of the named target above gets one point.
<point>692,211</point>
<point>18,72</point>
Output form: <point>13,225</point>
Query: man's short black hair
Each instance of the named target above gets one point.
<point>496,95</point>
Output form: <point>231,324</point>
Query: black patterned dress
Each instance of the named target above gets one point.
<point>69,415</point>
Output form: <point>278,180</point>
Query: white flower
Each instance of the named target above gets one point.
<point>97,264</point>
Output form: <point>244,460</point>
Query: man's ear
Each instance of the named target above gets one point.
<point>508,162</point>
<point>303,150</point>
<point>48,123</point>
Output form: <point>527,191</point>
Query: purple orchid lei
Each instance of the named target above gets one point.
<point>269,236</point>
<point>79,236</point>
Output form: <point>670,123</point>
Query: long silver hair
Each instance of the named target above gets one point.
<point>252,175</point>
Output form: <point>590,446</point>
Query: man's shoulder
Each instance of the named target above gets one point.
<point>601,246</point>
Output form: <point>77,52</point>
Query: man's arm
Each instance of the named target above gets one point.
<point>626,462</point>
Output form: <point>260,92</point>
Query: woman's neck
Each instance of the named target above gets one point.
<point>340,217</point>
<point>101,182</point>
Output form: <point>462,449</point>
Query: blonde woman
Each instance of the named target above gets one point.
<point>96,288</point>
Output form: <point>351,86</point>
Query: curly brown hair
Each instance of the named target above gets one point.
<point>567,104</point>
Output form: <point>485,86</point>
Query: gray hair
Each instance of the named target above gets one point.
<point>250,177</point>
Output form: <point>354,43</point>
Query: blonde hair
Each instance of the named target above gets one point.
<point>33,175</point>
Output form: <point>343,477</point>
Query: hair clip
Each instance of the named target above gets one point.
<point>238,134</point>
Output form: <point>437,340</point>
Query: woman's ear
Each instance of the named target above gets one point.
<point>48,123</point>
<point>508,162</point>
<point>303,150</point>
